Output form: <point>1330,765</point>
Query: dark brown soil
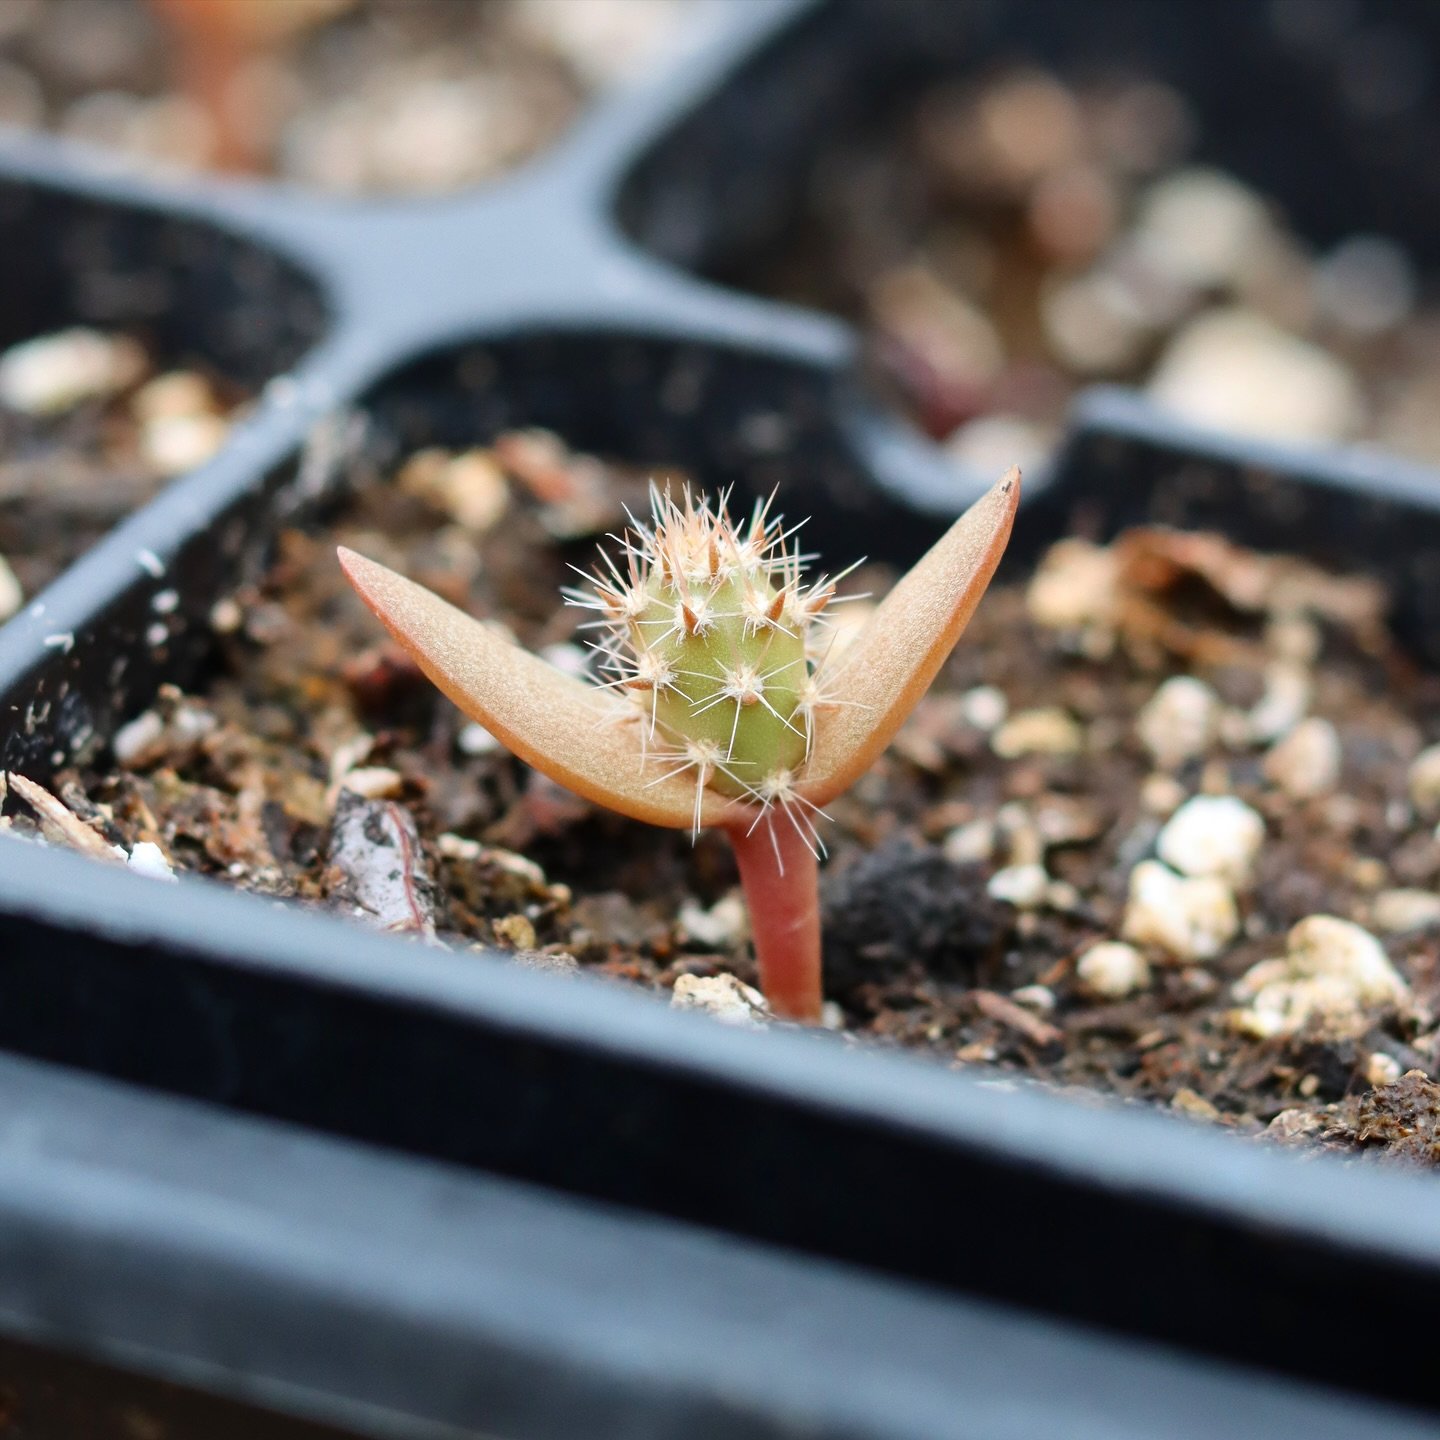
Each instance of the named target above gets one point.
<point>250,781</point>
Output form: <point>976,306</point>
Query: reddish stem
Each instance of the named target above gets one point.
<point>782,889</point>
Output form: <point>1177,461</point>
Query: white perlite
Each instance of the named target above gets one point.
<point>1191,919</point>
<point>724,924</point>
<point>147,858</point>
<point>1037,732</point>
<point>1213,835</point>
<point>1179,722</point>
<point>54,373</point>
<point>1425,780</point>
<point>1398,910</point>
<point>1023,886</point>
<point>1306,763</point>
<point>984,707</point>
<point>1112,970</point>
<point>1331,974</point>
<point>1234,370</point>
<point>722,996</point>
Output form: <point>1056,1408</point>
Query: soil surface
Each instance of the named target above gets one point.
<point>1169,748</point>
<point>1016,236</point>
<point>90,429</point>
<point>350,96</point>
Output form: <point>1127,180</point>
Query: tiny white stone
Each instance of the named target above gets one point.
<point>137,736</point>
<point>1048,731</point>
<point>1332,972</point>
<point>1076,587</point>
<point>1213,835</point>
<point>1039,998</point>
<point>1288,690</point>
<point>723,925</point>
<point>475,739</point>
<point>1201,228</point>
<point>1399,910</point>
<point>1306,763</point>
<point>54,373</point>
<point>11,595</point>
<point>1234,370</point>
<point>147,858</point>
<point>1023,886</point>
<point>723,997</point>
<point>1381,1069</point>
<point>970,844</point>
<point>1424,780</point>
<point>984,707</point>
<point>1112,970</point>
<point>174,444</point>
<point>1192,919</point>
<point>1161,794</point>
<point>990,444</point>
<point>373,782</point>
<point>1179,722</point>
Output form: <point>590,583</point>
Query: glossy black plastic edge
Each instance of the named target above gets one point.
<point>795,1139</point>
<point>243,1259</point>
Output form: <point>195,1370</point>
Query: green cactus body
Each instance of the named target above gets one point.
<point>709,631</point>
<point>734,685</point>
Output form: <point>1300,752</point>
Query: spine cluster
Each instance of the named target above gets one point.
<point>713,632</point>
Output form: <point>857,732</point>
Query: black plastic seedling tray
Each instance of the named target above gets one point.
<point>263,1173</point>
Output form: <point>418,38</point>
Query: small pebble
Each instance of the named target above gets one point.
<point>54,373</point>
<point>991,444</point>
<point>723,926</point>
<point>1202,229</point>
<point>1049,731</point>
<point>1161,794</point>
<point>147,858</point>
<point>1039,998</point>
<point>1237,372</point>
<point>1075,588</point>
<point>1365,286</point>
<point>984,708</point>
<point>970,844</point>
<point>373,782</point>
<point>1191,919</point>
<point>1023,886</point>
<point>138,738</point>
<point>475,739</point>
<point>1381,1069</point>
<point>1288,691</point>
<point>12,597</point>
<point>1333,972</point>
<point>1179,722</point>
<point>1112,970</point>
<point>1424,780</point>
<point>515,930</point>
<point>1196,1106</point>
<point>1213,835</point>
<point>1396,911</point>
<point>723,997</point>
<point>1306,763</point>
<point>174,444</point>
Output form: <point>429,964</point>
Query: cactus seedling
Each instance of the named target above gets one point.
<point>720,706</point>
